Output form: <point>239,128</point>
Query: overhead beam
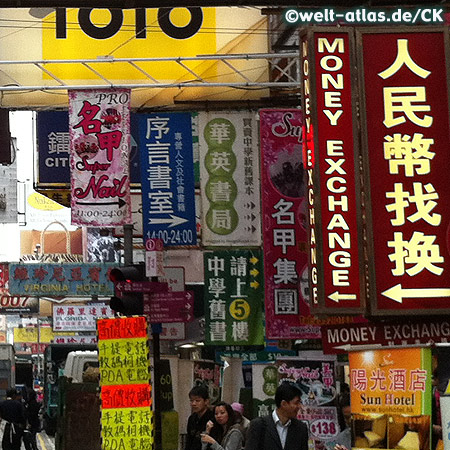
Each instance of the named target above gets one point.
<point>128,4</point>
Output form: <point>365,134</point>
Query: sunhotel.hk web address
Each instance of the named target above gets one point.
<point>364,16</point>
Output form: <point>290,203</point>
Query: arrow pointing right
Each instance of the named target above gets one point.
<point>336,297</point>
<point>172,220</point>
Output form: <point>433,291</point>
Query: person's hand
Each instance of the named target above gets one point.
<point>340,447</point>
<point>209,426</point>
<point>207,438</point>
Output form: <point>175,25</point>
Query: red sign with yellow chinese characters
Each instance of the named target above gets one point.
<point>407,162</point>
<point>391,381</point>
<point>333,181</point>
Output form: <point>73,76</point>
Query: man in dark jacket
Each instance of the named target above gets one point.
<point>281,430</point>
<point>199,399</point>
<point>12,412</point>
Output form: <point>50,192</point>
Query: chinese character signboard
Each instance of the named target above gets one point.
<point>317,382</point>
<point>99,127</point>
<point>208,373</point>
<point>333,172</point>
<point>79,317</point>
<point>229,175</point>
<point>233,297</point>
<point>167,178</point>
<point>124,363</point>
<point>391,398</point>
<point>52,128</point>
<point>56,280</point>
<point>406,169</point>
<point>284,223</point>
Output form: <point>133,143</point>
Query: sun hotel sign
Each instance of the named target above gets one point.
<point>377,176</point>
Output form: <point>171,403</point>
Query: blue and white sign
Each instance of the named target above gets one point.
<point>167,178</point>
<point>53,148</point>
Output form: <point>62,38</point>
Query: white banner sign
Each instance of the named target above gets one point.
<point>79,317</point>
<point>229,174</point>
<point>99,128</point>
<point>75,339</point>
<point>8,193</point>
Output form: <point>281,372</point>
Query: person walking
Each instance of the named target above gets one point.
<point>12,412</point>
<point>34,424</point>
<point>225,433</point>
<point>201,414</point>
<point>281,430</point>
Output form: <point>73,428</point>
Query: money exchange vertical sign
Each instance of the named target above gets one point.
<point>99,128</point>
<point>233,295</point>
<point>337,267</point>
<point>167,178</point>
<point>406,163</point>
<point>284,221</point>
<point>229,174</point>
<point>125,383</point>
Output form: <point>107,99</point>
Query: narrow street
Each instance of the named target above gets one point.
<point>45,442</point>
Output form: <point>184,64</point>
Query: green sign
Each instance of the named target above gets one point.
<point>234,298</point>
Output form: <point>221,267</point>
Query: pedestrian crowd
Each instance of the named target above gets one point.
<point>21,417</point>
<point>226,428</point>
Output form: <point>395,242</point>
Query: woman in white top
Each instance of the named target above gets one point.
<point>226,433</point>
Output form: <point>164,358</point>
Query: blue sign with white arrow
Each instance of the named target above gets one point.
<point>167,178</point>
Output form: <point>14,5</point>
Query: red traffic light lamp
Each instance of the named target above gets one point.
<point>129,303</point>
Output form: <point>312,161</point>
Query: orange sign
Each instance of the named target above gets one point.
<point>394,381</point>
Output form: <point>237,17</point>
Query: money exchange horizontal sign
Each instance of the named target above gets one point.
<point>338,338</point>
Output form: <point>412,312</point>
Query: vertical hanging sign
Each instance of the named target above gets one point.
<point>284,220</point>
<point>167,178</point>
<point>123,355</point>
<point>233,291</point>
<point>99,129</point>
<point>229,174</point>
<point>406,164</point>
<point>331,143</point>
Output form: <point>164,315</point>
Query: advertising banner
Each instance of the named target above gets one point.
<point>229,177</point>
<point>75,339</point>
<point>53,144</point>
<point>316,380</point>
<point>331,143</point>
<point>56,280</point>
<point>233,297</point>
<point>126,416</point>
<point>208,373</point>
<point>406,161</point>
<point>79,318</point>
<point>391,398</point>
<point>99,128</point>
<point>8,193</point>
<point>167,178</point>
<point>284,210</point>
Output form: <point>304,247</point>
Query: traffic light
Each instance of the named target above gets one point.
<point>125,300</point>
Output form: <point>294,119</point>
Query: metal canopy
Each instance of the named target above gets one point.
<point>283,67</point>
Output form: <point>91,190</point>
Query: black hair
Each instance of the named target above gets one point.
<point>199,391</point>
<point>287,391</point>
<point>11,392</point>
<point>218,431</point>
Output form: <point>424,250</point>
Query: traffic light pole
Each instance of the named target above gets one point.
<point>127,245</point>
<point>156,330</point>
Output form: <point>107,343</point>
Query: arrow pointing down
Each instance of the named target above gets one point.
<point>397,293</point>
